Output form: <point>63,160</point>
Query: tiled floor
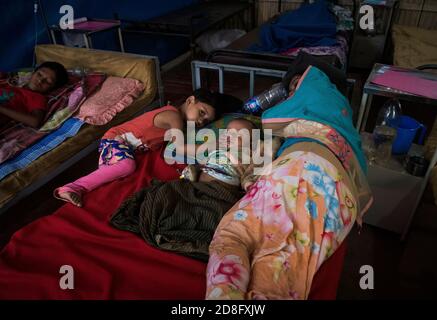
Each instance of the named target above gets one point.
<point>401,269</point>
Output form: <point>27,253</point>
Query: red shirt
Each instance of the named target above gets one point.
<point>23,100</point>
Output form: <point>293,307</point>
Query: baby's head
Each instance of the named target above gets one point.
<point>236,135</point>
<point>48,76</point>
<point>241,123</point>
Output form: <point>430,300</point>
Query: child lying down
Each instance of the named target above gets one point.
<point>221,166</point>
<point>182,215</point>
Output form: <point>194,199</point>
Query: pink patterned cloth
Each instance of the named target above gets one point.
<point>114,96</point>
<point>272,242</point>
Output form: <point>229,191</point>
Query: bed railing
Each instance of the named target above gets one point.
<point>221,68</point>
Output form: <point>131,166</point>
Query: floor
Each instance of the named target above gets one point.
<point>402,270</point>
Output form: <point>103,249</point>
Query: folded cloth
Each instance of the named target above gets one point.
<point>179,215</point>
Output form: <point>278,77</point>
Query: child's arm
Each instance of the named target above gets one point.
<point>185,153</point>
<point>169,120</point>
<point>173,120</point>
<point>33,119</point>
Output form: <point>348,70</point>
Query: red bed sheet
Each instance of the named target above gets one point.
<point>109,263</point>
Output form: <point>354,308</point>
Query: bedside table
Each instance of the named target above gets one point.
<point>397,194</point>
<point>87,27</point>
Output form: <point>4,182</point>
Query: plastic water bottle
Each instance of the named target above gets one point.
<point>384,133</point>
<point>267,99</point>
<point>390,114</point>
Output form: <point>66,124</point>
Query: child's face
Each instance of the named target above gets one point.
<point>42,80</point>
<point>199,112</point>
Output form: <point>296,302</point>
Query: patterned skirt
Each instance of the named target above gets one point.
<point>113,151</point>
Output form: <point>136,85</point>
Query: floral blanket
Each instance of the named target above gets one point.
<point>273,241</point>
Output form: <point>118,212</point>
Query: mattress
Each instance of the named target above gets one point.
<point>111,63</point>
<point>109,263</point>
<point>336,55</point>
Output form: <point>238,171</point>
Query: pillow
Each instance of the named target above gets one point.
<point>114,96</point>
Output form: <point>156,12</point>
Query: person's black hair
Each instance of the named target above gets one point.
<point>61,73</point>
<point>220,102</point>
<point>304,60</point>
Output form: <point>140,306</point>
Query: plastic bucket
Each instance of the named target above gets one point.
<point>406,132</point>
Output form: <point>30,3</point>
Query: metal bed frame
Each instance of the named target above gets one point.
<point>221,68</point>
<point>237,49</point>
<point>192,21</point>
<point>158,101</point>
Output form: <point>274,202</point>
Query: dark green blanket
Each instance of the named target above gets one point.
<point>179,216</point>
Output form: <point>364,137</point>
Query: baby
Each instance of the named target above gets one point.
<point>223,166</point>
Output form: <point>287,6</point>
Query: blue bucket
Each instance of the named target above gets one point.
<point>406,132</point>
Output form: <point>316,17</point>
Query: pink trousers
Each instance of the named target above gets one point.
<point>104,174</point>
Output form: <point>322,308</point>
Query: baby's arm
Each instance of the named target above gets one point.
<point>191,173</point>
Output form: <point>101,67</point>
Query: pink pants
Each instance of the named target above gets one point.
<point>104,174</point>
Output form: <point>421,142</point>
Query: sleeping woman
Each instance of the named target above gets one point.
<point>273,241</point>
<point>28,104</point>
